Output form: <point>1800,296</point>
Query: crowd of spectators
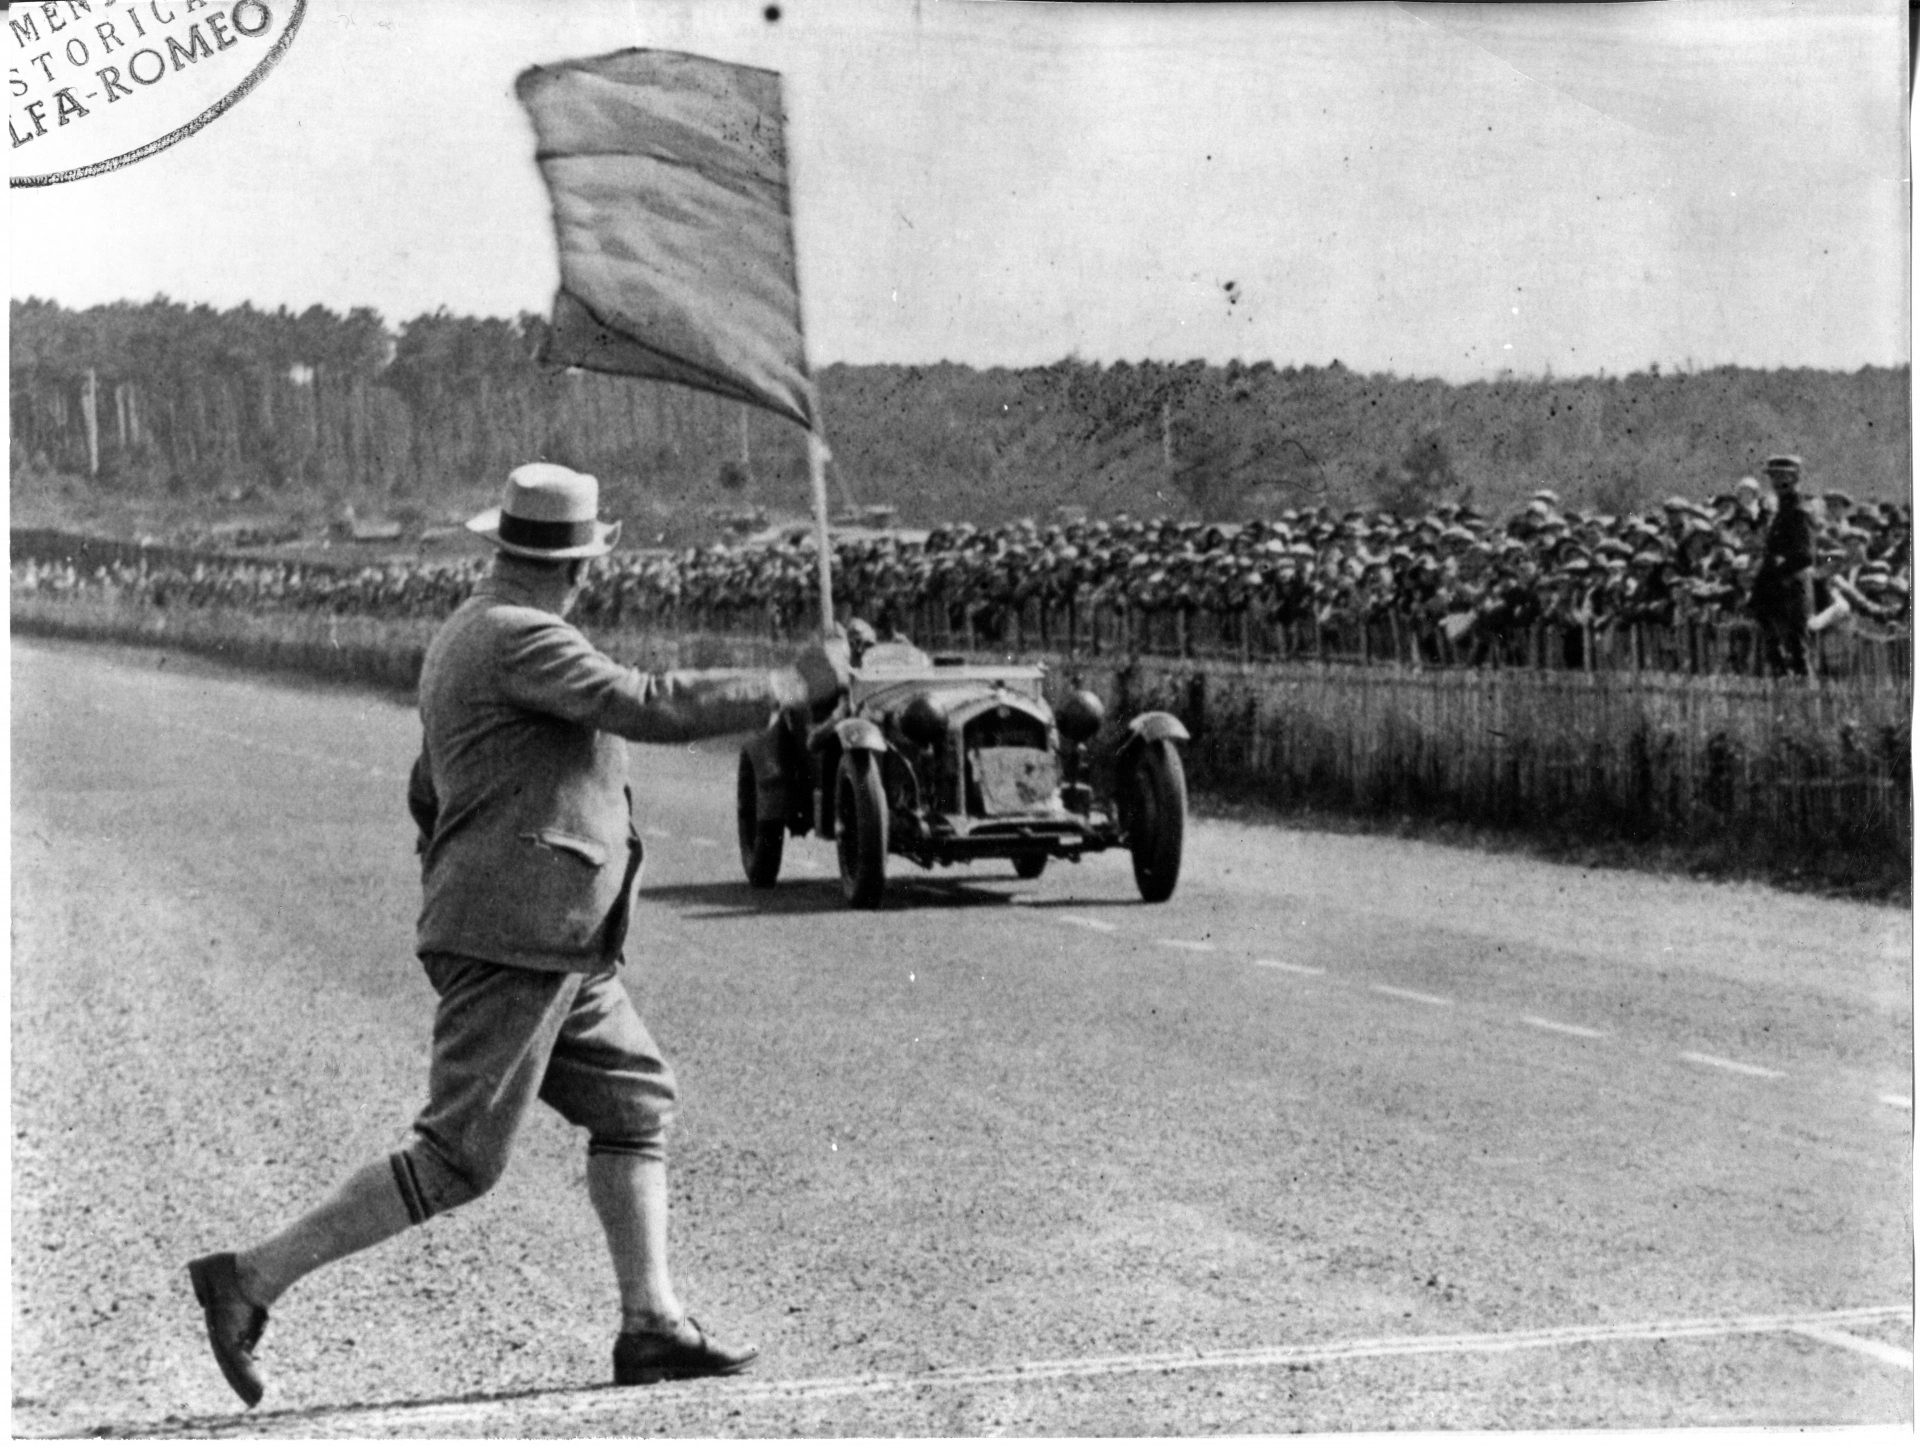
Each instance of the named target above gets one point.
<point>1449,574</point>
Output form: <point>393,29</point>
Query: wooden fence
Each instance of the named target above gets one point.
<point>1067,630</point>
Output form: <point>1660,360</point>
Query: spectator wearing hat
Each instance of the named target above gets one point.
<point>529,856</point>
<point>1745,517</point>
<point>1782,598</point>
<point>1838,593</point>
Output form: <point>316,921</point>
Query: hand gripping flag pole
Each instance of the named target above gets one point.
<point>668,175</point>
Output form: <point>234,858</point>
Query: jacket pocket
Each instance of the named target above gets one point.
<point>586,850</point>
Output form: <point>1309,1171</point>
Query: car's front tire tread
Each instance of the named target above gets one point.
<point>762,842</point>
<point>1156,818</point>
<point>861,829</point>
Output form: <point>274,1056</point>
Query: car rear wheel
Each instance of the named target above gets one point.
<point>1030,866</point>
<point>860,829</point>
<point>1155,801</point>
<point>761,841</point>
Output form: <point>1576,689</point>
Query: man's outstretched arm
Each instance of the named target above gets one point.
<point>550,667</point>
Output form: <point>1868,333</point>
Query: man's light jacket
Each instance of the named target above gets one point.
<point>529,853</point>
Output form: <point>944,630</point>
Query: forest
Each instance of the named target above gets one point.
<point>169,411</point>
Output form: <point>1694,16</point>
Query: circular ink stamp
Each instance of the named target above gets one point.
<point>98,84</point>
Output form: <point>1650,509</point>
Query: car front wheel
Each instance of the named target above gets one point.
<point>1155,810</point>
<point>761,841</point>
<point>860,803</point>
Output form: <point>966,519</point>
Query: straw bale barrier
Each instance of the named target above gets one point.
<point>1767,769</point>
<point>384,652</point>
<point>1775,767</point>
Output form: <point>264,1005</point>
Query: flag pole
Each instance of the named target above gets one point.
<point>817,455</point>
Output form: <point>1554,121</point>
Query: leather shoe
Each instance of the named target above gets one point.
<point>678,1353</point>
<point>234,1323</point>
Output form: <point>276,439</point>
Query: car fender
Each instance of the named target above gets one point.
<point>860,735</point>
<point>1148,728</point>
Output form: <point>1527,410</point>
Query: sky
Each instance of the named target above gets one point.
<point>1425,190</point>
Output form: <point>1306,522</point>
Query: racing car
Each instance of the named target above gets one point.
<point>941,761</point>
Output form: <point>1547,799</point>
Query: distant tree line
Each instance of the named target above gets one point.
<point>161,397</point>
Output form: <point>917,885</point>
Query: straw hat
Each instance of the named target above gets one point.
<point>551,514</point>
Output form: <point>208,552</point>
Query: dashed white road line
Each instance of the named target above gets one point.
<point>1899,1102</point>
<point>1735,1066</point>
<point>1080,921</point>
<point>1848,1341</point>
<point>1414,994</point>
<point>704,843</point>
<point>601,1405</point>
<point>1287,968</point>
<point>1579,1031</point>
<point>655,833</point>
<point>1535,1021</point>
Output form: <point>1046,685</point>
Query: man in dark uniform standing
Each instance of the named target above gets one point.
<point>529,857</point>
<point>1783,586</point>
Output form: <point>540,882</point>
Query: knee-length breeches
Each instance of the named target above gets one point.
<point>504,1037</point>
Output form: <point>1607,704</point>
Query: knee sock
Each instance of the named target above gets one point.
<point>367,1209</point>
<point>629,1194</point>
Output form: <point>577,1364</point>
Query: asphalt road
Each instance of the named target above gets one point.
<point>1353,1134</point>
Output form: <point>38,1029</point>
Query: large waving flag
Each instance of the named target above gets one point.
<point>668,174</point>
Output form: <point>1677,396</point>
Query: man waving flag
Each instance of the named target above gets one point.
<point>668,176</point>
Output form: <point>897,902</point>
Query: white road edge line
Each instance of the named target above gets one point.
<point>1414,994</point>
<point>1198,946</point>
<point>1847,1341</point>
<point>600,1403</point>
<point>1289,968</point>
<point>1579,1031</point>
<point>1714,1060</point>
<point>1080,921</point>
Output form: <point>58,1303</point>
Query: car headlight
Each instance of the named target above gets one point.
<point>1081,715</point>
